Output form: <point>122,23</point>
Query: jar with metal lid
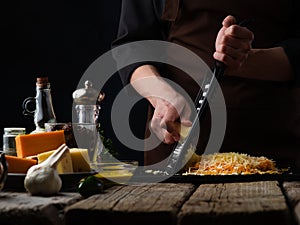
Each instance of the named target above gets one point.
<point>87,103</point>
<point>9,143</point>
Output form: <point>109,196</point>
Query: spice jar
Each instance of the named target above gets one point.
<point>87,103</point>
<point>9,144</point>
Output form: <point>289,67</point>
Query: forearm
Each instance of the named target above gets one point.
<point>171,111</point>
<point>266,64</point>
<point>147,81</point>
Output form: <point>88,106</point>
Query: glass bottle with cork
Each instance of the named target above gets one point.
<point>43,112</point>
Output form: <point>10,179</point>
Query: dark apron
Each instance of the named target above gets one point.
<point>263,117</point>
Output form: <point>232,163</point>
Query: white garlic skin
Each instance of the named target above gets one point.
<point>43,181</point>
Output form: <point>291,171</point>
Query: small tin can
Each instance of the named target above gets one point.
<point>9,143</point>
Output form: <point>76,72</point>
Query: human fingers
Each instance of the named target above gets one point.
<point>170,123</point>
<point>232,51</point>
<point>237,43</point>
<point>228,21</point>
<point>178,109</point>
<point>185,116</point>
<point>239,32</point>
<point>230,62</point>
<point>155,128</point>
<point>176,130</point>
<point>168,118</point>
<point>185,122</point>
<point>168,137</point>
<point>234,36</point>
<point>159,127</point>
<point>173,131</point>
<point>232,57</point>
<point>181,130</point>
<point>236,54</point>
<point>177,113</point>
<point>161,131</point>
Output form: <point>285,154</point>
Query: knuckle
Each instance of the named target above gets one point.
<point>168,139</point>
<point>223,48</point>
<point>223,57</point>
<point>226,39</point>
<point>246,46</point>
<point>233,29</point>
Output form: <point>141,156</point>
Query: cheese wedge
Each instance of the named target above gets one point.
<point>19,165</point>
<point>64,166</point>
<point>80,160</point>
<point>33,144</point>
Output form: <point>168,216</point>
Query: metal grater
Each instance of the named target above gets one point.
<point>180,151</point>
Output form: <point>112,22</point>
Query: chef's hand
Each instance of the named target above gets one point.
<point>233,44</point>
<point>171,109</point>
<point>170,118</point>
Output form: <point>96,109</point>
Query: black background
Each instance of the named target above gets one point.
<point>58,39</point>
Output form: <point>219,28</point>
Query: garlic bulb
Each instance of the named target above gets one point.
<point>43,179</point>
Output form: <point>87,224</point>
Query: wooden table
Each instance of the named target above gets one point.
<point>262,202</point>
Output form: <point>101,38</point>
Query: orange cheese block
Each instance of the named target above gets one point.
<point>19,165</point>
<point>33,144</point>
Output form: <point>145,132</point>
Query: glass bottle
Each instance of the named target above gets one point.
<point>9,144</point>
<point>44,112</point>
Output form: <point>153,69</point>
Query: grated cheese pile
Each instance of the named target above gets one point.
<point>232,163</point>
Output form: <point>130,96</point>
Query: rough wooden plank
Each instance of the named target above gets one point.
<point>139,204</point>
<point>236,203</point>
<point>297,213</point>
<point>21,208</point>
<point>292,190</point>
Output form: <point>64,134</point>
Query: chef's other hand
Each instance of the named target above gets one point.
<point>233,44</point>
<point>168,118</point>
